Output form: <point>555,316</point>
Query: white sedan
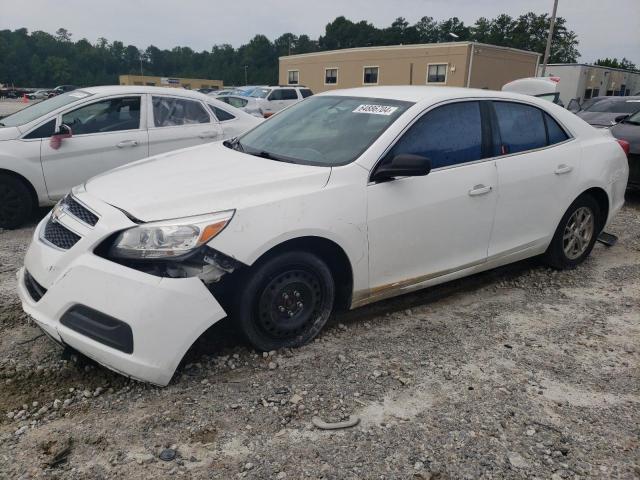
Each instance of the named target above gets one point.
<point>51,146</point>
<point>346,198</point>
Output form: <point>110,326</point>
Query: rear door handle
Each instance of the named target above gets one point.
<point>208,135</point>
<point>563,168</point>
<point>127,143</point>
<point>479,190</point>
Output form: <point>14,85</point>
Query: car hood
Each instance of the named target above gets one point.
<point>8,133</point>
<point>203,179</point>
<point>630,133</point>
<point>604,119</point>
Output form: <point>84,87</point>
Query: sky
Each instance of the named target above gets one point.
<point>605,28</point>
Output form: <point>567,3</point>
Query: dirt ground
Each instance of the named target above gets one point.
<point>522,372</point>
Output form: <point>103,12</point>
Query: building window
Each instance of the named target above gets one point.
<point>294,76</point>
<point>330,76</point>
<point>437,73</point>
<point>587,93</point>
<point>370,76</point>
<point>596,92</point>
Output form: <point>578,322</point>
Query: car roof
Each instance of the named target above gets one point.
<point>424,94</point>
<point>117,89</point>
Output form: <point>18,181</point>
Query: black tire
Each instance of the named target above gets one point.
<point>285,301</point>
<point>16,203</point>
<point>556,255</point>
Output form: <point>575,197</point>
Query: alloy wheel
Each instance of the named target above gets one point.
<point>578,233</point>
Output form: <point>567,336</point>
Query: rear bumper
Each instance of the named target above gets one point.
<point>165,315</point>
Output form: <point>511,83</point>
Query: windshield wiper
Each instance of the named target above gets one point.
<point>234,144</point>
<point>2,124</point>
<point>270,156</point>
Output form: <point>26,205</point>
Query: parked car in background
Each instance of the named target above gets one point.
<point>246,90</point>
<point>629,129</point>
<point>47,148</point>
<point>246,104</point>
<point>38,95</point>
<point>62,89</point>
<point>347,198</point>
<point>608,111</point>
<point>273,99</point>
<point>216,93</point>
<point>541,87</point>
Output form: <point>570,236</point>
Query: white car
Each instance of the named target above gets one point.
<point>49,147</point>
<point>271,100</point>
<point>246,104</point>
<point>38,94</point>
<point>349,197</point>
<point>541,87</point>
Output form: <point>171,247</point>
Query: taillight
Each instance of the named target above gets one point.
<point>625,146</point>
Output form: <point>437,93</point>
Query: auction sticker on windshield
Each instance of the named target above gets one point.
<point>375,109</point>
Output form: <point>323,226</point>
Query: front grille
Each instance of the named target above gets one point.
<point>36,290</point>
<point>59,236</point>
<point>79,211</point>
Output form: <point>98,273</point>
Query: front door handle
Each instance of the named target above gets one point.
<point>563,168</point>
<point>127,143</point>
<point>479,190</point>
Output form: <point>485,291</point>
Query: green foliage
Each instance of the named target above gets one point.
<point>40,59</point>
<point>615,63</point>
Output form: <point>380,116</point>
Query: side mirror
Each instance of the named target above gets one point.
<point>64,131</point>
<point>574,105</point>
<point>620,118</point>
<point>403,165</point>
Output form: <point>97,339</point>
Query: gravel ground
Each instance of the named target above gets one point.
<point>522,372</point>
<point>12,105</point>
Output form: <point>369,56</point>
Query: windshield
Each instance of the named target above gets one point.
<point>323,130</point>
<point>37,110</point>
<point>260,93</point>
<point>616,106</point>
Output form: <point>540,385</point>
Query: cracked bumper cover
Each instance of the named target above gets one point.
<point>165,315</point>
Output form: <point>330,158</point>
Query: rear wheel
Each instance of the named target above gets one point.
<point>16,204</point>
<point>285,301</point>
<point>576,234</point>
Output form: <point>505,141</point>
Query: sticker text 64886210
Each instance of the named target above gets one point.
<point>375,109</point>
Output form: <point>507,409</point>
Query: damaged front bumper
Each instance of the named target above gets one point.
<point>133,322</point>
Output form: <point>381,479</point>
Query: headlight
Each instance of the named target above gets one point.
<point>170,238</point>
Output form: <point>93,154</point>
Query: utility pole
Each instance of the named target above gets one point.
<point>552,25</point>
<point>245,75</point>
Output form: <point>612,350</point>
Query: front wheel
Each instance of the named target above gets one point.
<point>576,234</point>
<point>16,204</point>
<point>286,301</point>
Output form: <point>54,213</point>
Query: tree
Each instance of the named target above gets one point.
<point>624,64</point>
<point>63,35</point>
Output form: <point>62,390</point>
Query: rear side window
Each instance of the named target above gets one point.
<point>554,131</point>
<point>170,111</point>
<point>449,135</point>
<point>521,127</point>
<point>221,115</point>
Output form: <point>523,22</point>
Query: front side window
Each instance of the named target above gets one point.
<point>331,76</point>
<point>45,130</point>
<point>305,92</point>
<point>323,130</point>
<point>437,73</point>
<point>237,101</point>
<point>293,77</point>
<point>448,135</point>
<point>521,127</point>
<point>171,111</point>
<point>111,115</point>
<point>370,75</point>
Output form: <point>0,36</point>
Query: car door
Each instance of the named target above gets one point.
<point>105,134</point>
<point>180,122</point>
<point>424,227</point>
<point>537,173</point>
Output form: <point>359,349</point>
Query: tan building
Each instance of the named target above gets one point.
<point>457,64</point>
<point>191,83</point>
